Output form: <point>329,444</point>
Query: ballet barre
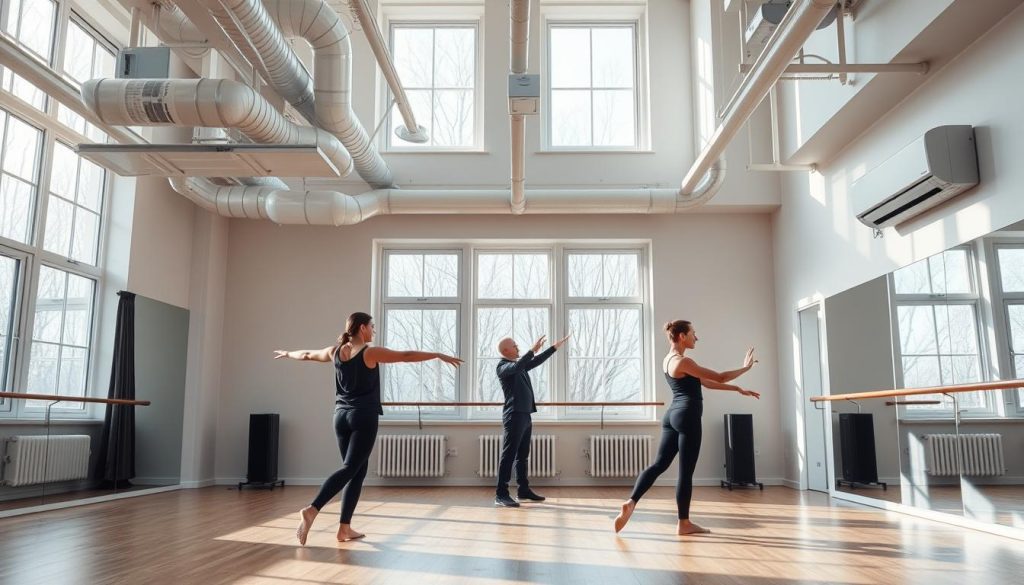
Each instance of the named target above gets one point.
<point>420,404</point>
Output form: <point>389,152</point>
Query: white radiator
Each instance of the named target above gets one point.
<point>30,460</point>
<point>542,456</point>
<point>619,455</point>
<point>981,454</point>
<point>411,455</point>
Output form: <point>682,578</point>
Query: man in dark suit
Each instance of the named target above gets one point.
<point>513,373</point>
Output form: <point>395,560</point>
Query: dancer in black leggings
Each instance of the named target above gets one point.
<point>356,408</point>
<point>680,428</point>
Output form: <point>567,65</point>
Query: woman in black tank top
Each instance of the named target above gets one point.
<point>681,427</point>
<point>356,408</point>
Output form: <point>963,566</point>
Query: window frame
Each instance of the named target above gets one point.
<point>974,299</point>
<point>33,254</point>
<point>439,17</point>
<point>1001,301</point>
<point>604,15</point>
<point>558,252</point>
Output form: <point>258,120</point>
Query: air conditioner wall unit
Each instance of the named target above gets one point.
<point>934,168</point>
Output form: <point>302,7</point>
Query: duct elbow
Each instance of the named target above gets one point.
<point>705,190</point>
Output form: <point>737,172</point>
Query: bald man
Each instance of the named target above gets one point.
<point>513,373</point>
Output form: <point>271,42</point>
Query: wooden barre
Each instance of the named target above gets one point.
<point>55,398</point>
<point>538,404</point>
<point>954,389</point>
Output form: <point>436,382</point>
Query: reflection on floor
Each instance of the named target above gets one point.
<point>65,496</point>
<point>1002,504</point>
<point>455,535</point>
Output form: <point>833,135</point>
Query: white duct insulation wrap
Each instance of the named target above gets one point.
<point>211,103</point>
<point>519,61</point>
<point>319,24</point>
<point>286,206</point>
<point>248,24</point>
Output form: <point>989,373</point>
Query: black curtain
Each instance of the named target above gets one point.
<point>116,462</point>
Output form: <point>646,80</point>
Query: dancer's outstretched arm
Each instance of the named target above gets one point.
<point>306,355</point>
<point>688,366</point>
<point>719,386</point>
<point>382,355</point>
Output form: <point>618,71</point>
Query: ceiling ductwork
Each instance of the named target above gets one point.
<point>208,103</point>
<point>266,25</point>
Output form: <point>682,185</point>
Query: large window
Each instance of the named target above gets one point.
<point>465,299</point>
<point>937,325</point>
<point>592,86</point>
<point>86,56</point>
<point>51,214</point>
<point>437,63</point>
<point>1010,268</point>
<point>31,24</point>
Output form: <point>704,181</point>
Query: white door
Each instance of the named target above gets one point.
<point>814,419</point>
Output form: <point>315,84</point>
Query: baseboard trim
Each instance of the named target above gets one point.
<point>489,481</point>
<point>191,485</point>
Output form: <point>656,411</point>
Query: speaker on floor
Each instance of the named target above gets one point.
<point>857,446</point>
<point>262,468</point>
<point>739,451</point>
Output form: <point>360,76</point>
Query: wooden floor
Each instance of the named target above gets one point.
<point>454,535</point>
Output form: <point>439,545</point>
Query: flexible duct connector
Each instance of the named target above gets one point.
<point>249,25</point>
<point>210,103</point>
<point>319,24</point>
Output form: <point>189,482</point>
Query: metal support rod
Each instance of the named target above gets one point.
<point>419,417</point>
<point>383,118</point>
<point>841,39</point>
<point>133,35</point>
<point>836,68</point>
<point>46,452</point>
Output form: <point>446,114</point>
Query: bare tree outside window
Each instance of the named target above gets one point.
<point>606,356</point>
<point>523,278</point>
<point>31,24</point>
<point>437,66</point>
<point>938,334</point>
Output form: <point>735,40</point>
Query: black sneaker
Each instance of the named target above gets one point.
<point>530,495</point>
<point>505,501</point>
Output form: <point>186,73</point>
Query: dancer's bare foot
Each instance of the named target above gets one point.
<point>345,533</point>
<point>306,515</point>
<point>686,527</point>
<point>623,517</point>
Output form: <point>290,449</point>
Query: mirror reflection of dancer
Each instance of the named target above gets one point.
<point>516,423</point>
<point>356,408</point>
<point>681,427</point>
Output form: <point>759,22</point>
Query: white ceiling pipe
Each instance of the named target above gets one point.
<point>410,131</point>
<point>321,207</point>
<point>266,24</point>
<point>800,21</point>
<point>210,103</point>
<point>285,72</point>
<point>519,62</point>
<point>519,34</point>
<point>517,131</point>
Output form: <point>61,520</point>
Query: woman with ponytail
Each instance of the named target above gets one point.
<point>356,410</point>
<point>681,426</point>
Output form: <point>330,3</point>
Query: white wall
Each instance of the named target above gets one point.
<point>820,248</point>
<point>292,287</point>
